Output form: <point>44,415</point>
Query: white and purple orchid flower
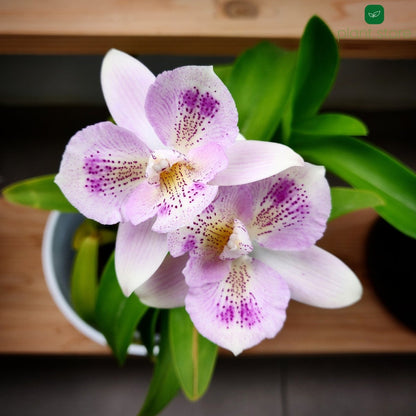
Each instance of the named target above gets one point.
<point>242,217</point>
<point>250,251</point>
<point>174,143</point>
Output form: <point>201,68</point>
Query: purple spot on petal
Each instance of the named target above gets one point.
<point>189,244</point>
<point>164,210</point>
<point>284,205</point>
<point>190,99</point>
<point>198,186</point>
<point>237,306</point>
<point>209,105</point>
<point>195,110</point>
<point>102,175</point>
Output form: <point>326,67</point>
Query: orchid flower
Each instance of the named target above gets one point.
<point>252,250</point>
<point>174,133</point>
<point>173,144</point>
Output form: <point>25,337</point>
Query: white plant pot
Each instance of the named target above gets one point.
<point>57,259</point>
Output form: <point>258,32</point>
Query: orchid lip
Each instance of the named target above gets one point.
<point>161,164</point>
<point>238,244</point>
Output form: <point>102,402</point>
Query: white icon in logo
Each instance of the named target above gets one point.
<point>375,14</point>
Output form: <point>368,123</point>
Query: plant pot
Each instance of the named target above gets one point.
<point>57,260</point>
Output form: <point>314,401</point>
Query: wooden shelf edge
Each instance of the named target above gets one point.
<point>30,323</point>
<point>189,45</point>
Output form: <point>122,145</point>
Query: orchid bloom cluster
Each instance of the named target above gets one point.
<point>209,220</point>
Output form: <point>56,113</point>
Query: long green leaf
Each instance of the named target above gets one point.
<point>147,328</point>
<point>84,279</point>
<point>366,167</point>
<point>193,355</point>
<point>40,192</point>
<point>345,200</point>
<point>117,316</point>
<point>260,83</point>
<point>316,68</point>
<point>164,385</point>
<point>331,125</point>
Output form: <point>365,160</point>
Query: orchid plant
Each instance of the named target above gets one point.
<point>209,174</point>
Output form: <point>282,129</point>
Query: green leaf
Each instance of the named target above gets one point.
<point>117,316</point>
<point>260,83</point>
<point>40,192</point>
<point>331,125</point>
<point>164,385</point>
<point>345,200</point>
<point>84,279</point>
<point>147,328</point>
<point>365,167</point>
<point>193,355</point>
<point>223,72</point>
<point>316,68</point>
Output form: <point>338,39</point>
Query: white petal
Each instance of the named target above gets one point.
<point>125,82</point>
<point>250,161</point>
<point>101,166</point>
<point>291,209</point>
<point>314,276</point>
<point>247,306</point>
<point>139,253</point>
<point>167,287</point>
<point>190,106</point>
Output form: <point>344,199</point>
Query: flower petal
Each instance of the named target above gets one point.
<point>174,190</point>
<point>247,306</point>
<point>125,82</point>
<point>208,233</point>
<point>167,287</point>
<point>207,160</point>
<point>250,161</point>
<point>139,253</point>
<point>292,208</point>
<point>181,204</point>
<point>189,106</point>
<point>100,167</point>
<point>314,276</point>
<point>202,270</point>
<point>142,203</point>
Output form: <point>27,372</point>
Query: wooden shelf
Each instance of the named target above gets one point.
<point>203,27</point>
<point>30,323</point>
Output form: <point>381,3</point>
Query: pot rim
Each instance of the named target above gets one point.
<point>60,300</point>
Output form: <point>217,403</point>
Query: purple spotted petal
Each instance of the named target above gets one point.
<point>182,202</point>
<point>125,82</point>
<point>139,253</point>
<point>314,276</point>
<point>100,167</point>
<point>250,161</point>
<point>292,208</point>
<point>191,106</point>
<point>247,306</point>
<point>174,190</point>
<point>208,233</point>
<point>167,287</point>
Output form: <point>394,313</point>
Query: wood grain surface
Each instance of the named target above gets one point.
<point>30,322</point>
<point>201,27</point>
